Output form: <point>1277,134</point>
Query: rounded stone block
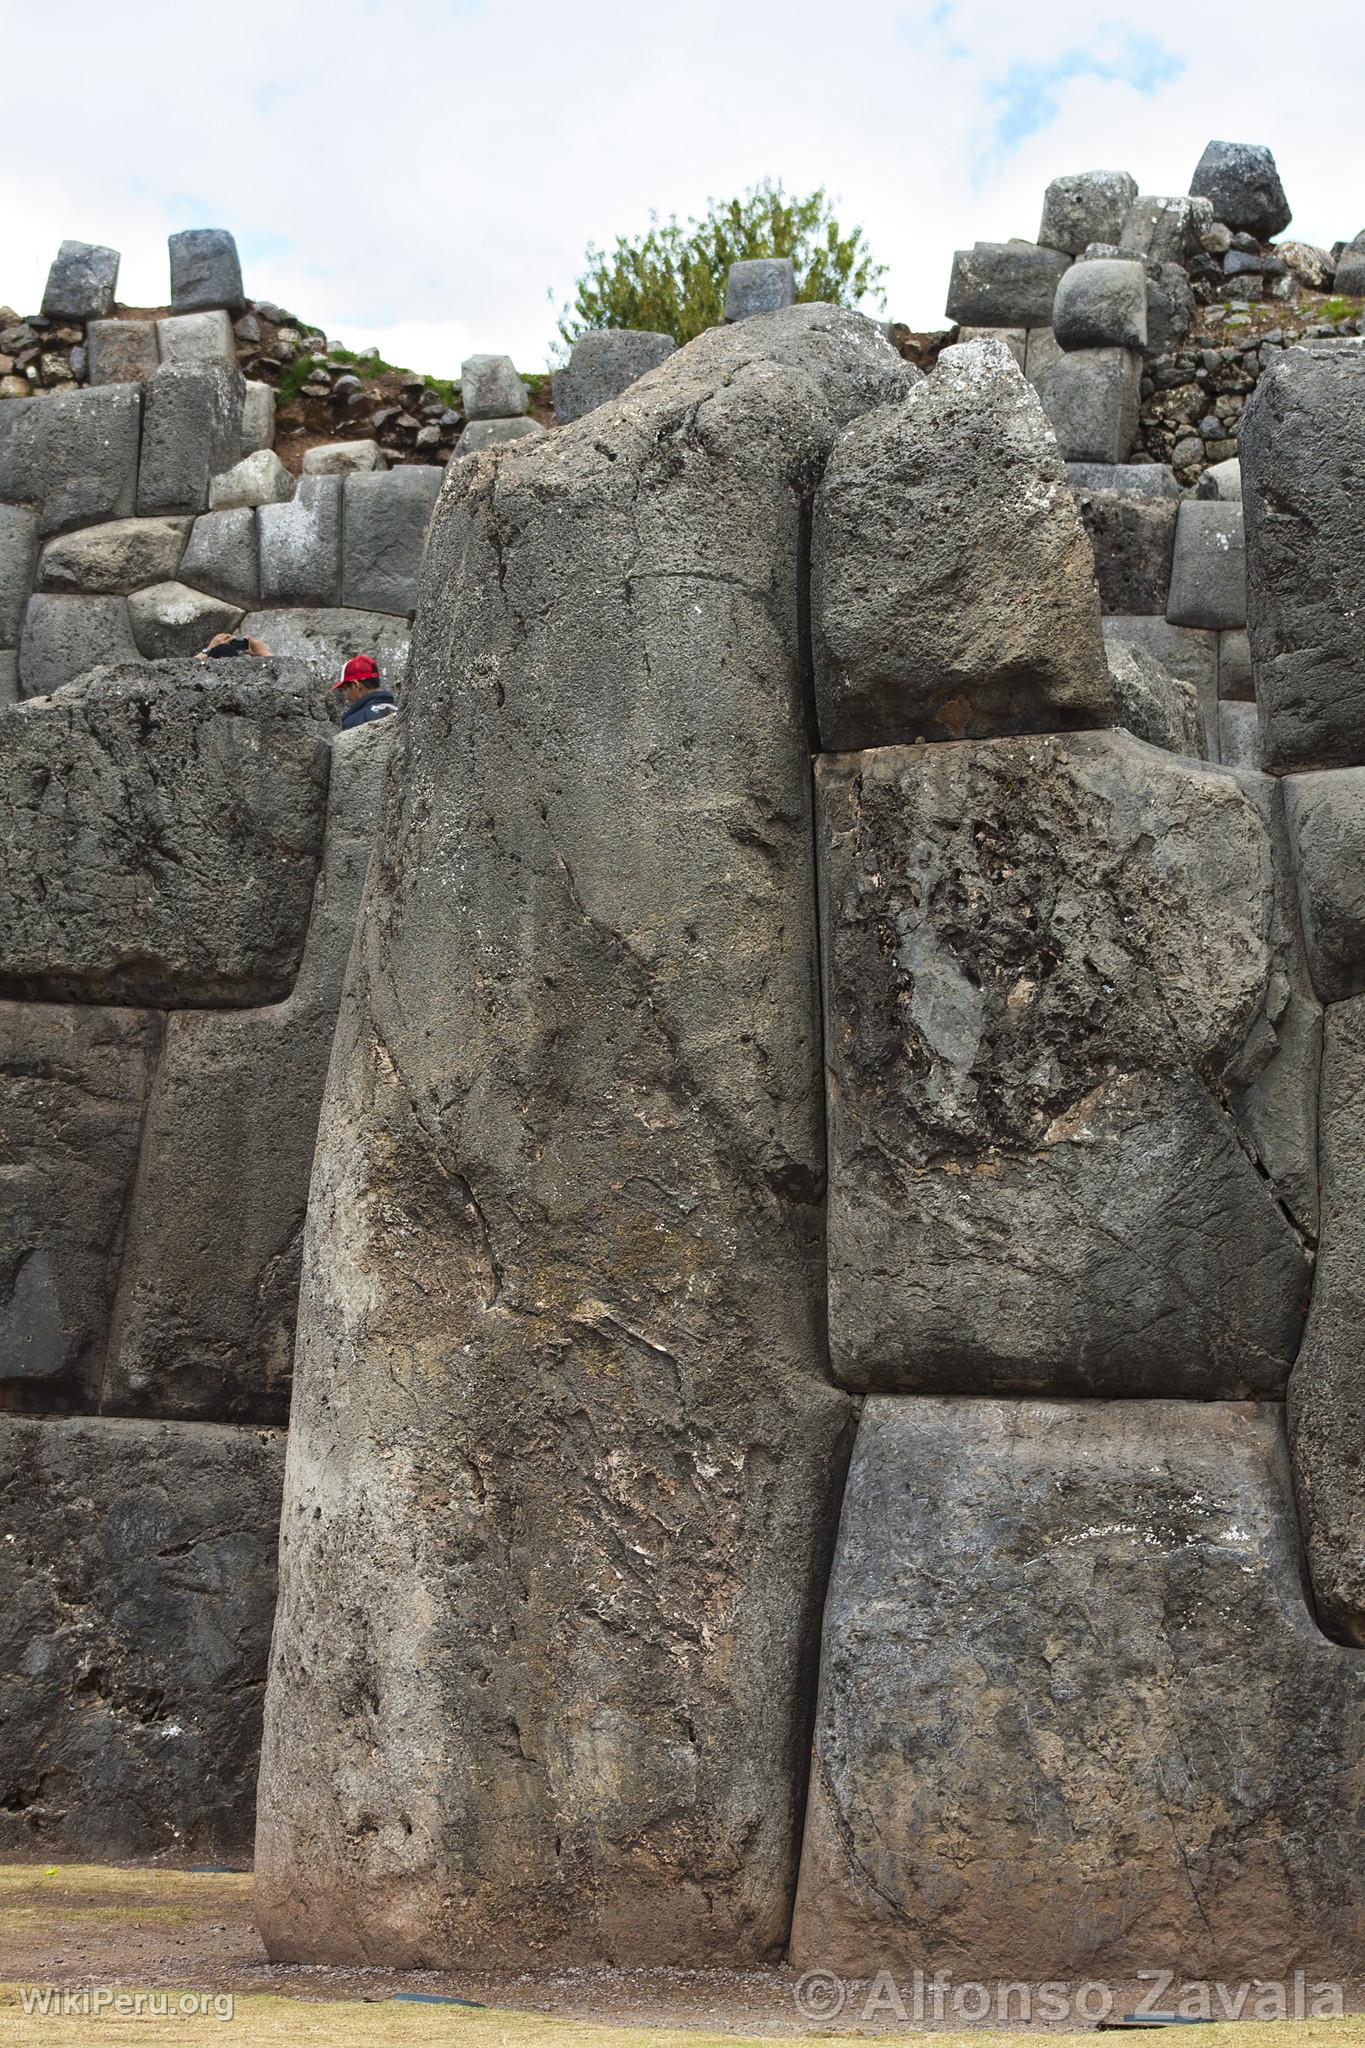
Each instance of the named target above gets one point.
<point>1101,305</point>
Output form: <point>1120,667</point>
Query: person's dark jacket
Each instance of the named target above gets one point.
<point>374,704</point>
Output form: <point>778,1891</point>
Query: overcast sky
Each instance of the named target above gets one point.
<point>427,177</point>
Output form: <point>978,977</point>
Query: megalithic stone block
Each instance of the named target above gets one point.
<point>1091,397</point>
<point>1076,1718</point>
<point>181,805</point>
<point>143,1563</point>
<point>205,271</point>
<point>192,432</point>
<point>603,365</point>
<point>74,454</point>
<point>1089,207</point>
<point>1242,185</point>
<point>81,283</point>
<point>100,561</point>
<point>952,585</point>
<point>325,638</point>
<point>384,528</point>
<point>1132,533</point>
<point>1302,451</point>
<point>227,1151</point>
<point>18,560</point>
<point>300,544</point>
<point>580,1427</point>
<point>1101,304</point>
<point>66,637</point>
<point>121,351</point>
<point>1036,951</point>
<point>490,388</point>
<point>1208,567</point>
<point>759,284</point>
<point>1154,705</point>
<point>1326,814</point>
<point>1005,284</point>
<point>1165,230</point>
<point>223,557</point>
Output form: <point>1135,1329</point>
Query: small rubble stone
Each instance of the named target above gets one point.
<point>259,479</point>
<point>384,527</point>
<point>1088,207</point>
<point>170,619</point>
<point>81,283</point>
<point>196,338</point>
<point>1208,571</point>
<point>1306,264</point>
<point>491,389</point>
<point>104,561</point>
<point>301,545</point>
<point>603,365</point>
<point>759,284</point>
<point>1005,284</point>
<point>205,271</point>
<point>481,434</point>
<point>343,458</point>
<point>1242,185</point>
<point>67,637</point>
<point>1101,305</point>
<point>1091,398</point>
<point>223,558</point>
<point>1222,480</point>
<point>121,351</point>
<point>953,608</point>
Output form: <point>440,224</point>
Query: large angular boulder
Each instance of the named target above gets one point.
<point>1076,1718</point>
<point>81,283</point>
<point>101,561</point>
<point>603,365</point>
<point>1132,533</point>
<point>1184,651</point>
<point>173,815</point>
<point>66,637</point>
<point>490,388</point>
<point>952,586</point>
<point>1046,961</point>
<point>1154,705</point>
<point>1090,396</point>
<point>170,619</point>
<point>73,1092</point>
<point>1326,814</point>
<point>759,284</point>
<point>1327,1388</point>
<point>1004,284</point>
<point>300,545</point>
<point>384,530</point>
<point>1165,230</point>
<point>121,351</point>
<point>211,1273</point>
<point>137,1589</point>
<point>205,270</point>
<point>223,557</point>
<point>1242,185</point>
<point>564,1450</point>
<point>73,454</point>
<point>1302,451</point>
<point>192,432</point>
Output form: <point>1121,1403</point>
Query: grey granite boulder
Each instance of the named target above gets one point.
<point>74,1081</point>
<point>343,458</point>
<point>324,639</point>
<point>1326,816</point>
<point>18,559</point>
<point>759,284</point>
<point>102,561</point>
<point>170,619</point>
<point>1222,480</point>
<point>1327,1390</point>
<point>222,556</point>
<point>73,454</point>
<point>1076,1718</point>
<point>386,515</point>
<point>205,270</point>
<point>1208,567</point>
<point>121,351</point>
<point>952,588</point>
<point>490,388</point>
<point>1242,185</point>
<point>1088,207</point>
<point>227,1151</point>
<point>1154,705</point>
<point>66,637</point>
<point>258,416</point>
<point>610,1328</point>
<point>81,283</point>
<point>181,806</point>
<point>136,1597</point>
<point>1046,961</point>
<point>603,365</point>
<point>1302,451</point>
<point>1101,305</point>
<point>1165,230</point>
<point>258,479</point>
<point>192,431</point>
<point>1005,284</point>
<point>1133,537</point>
<point>481,434</point>
<point>300,544</point>
<point>1091,398</point>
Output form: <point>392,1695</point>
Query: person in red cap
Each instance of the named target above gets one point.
<point>363,693</point>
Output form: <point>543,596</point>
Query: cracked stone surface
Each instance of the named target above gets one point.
<point>137,1586</point>
<point>565,1456</point>
<point>227,1152</point>
<point>160,832</point>
<point>1050,964</point>
<point>1076,1718</point>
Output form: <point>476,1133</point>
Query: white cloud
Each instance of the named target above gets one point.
<point>423,177</point>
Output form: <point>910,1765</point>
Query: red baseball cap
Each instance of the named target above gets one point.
<point>360,669</point>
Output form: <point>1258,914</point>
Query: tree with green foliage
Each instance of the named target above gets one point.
<point>672,280</point>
